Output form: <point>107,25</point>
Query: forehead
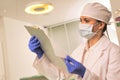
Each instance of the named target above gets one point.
<point>86,17</point>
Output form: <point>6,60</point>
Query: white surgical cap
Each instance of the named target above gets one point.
<point>97,11</point>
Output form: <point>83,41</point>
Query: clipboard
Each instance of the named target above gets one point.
<point>49,47</point>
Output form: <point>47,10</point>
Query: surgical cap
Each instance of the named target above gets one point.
<point>97,11</point>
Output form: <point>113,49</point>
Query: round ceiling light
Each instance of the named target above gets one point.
<point>117,12</point>
<point>39,8</point>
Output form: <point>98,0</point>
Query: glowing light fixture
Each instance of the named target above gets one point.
<point>117,12</point>
<point>39,8</point>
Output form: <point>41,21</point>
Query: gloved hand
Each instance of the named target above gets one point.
<point>74,66</point>
<point>35,46</point>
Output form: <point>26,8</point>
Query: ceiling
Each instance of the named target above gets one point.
<point>64,10</point>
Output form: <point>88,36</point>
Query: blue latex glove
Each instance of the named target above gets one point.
<point>74,66</point>
<point>35,46</point>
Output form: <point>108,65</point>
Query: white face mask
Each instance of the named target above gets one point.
<point>86,31</point>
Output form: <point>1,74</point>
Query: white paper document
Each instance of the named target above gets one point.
<point>54,53</point>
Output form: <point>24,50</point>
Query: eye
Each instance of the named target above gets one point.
<point>86,20</point>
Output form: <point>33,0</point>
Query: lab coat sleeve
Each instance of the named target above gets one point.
<point>90,76</point>
<point>46,68</point>
<point>114,64</point>
<point>113,70</point>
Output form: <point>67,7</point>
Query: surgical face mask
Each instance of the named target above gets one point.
<point>86,31</point>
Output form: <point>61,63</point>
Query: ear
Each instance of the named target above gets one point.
<point>101,25</point>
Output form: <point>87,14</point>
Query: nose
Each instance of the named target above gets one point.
<point>83,22</point>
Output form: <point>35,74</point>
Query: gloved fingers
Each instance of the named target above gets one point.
<point>66,61</point>
<point>35,45</point>
<point>34,40</point>
<point>69,66</point>
<point>33,48</point>
<point>69,63</point>
<point>71,60</point>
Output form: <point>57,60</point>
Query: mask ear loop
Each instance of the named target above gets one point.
<point>107,34</point>
<point>109,23</point>
<point>98,29</point>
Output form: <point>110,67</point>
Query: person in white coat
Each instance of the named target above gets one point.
<point>97,58</point>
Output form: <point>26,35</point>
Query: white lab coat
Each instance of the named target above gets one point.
<point>102,62</point>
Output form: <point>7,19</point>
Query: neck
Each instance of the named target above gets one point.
<point>94,40</point>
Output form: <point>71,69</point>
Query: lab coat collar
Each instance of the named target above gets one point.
<point>97,51</point>
<point>102,44</point>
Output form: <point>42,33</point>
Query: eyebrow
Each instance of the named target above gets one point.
<point>85,19</point>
